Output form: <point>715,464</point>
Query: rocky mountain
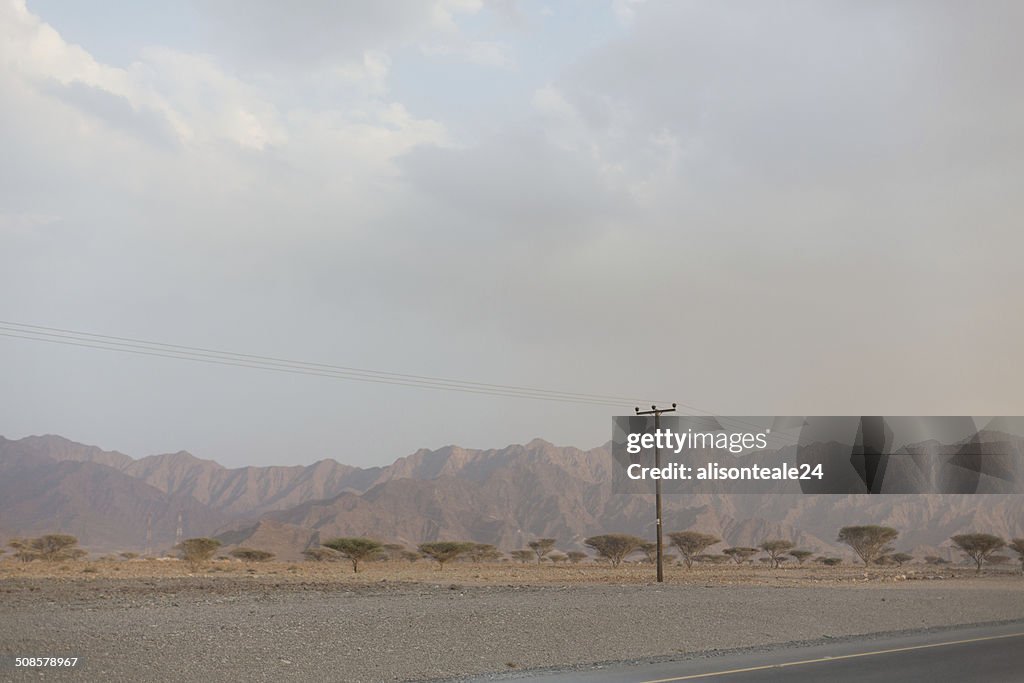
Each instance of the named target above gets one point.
<point>243,491</point>
<point>503,496</point>
<point>106,508</point>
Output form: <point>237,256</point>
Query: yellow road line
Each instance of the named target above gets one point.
<point>830,659</point>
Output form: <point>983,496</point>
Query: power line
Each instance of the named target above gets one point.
<point>90,336</point>
<point>217,357</point>
<point>90,340</point>
<point>295,371</point>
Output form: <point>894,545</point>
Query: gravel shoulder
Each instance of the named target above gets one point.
<point>194,628</point>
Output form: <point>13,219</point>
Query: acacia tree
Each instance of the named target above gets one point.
<point>443,551</point>
<point>978,547</point>
<point>483,552</point>
<point>777,549</point>
<point>1017,546</point>
<point>523,556</point>
<point>321,554</point>
<point>248,555</point>
<point>740,555</point>
<point>22,549</point>
<point>900,558</point>
<point>557,557</point>
<point>868,541</point>
<point>577,556</point>
<point>800,555</point>
<point>650,551</point>
<point>50,547</point>
<point>354,549</point>
<point>542,546</point>
<point>613,547</point>
<point>197,551</point>
<point>691,544</point>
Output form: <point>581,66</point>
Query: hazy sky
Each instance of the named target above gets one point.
<point>755,208</point>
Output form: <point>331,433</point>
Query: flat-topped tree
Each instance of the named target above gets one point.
<point>691,544</point>
<point>868,541</point>
<point>777,549</point>
<point>800,555</point>
<point>443,551</point>
<point>321,554</point>
<point>1017,546</point>
<point>900,558</point>
<point>198,551</point>
<point>614,547</point>
<point>978,547</point>
<point>523,555</point>
<point>251,555</point>
<point>355,549</point>
<point>484,552</point>
<point>22,549</point>
<point>55,547</point>
<point>541,547</point>
<point>576,556</point>
<point>740,554</point>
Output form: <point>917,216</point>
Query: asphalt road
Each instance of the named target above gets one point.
<point>984,654</point>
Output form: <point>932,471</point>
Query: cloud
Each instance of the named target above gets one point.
<point>114,110</point>
<point>323,33</point>
<point>770,198</point>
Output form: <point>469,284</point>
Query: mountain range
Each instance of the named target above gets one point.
<point>505,496</point>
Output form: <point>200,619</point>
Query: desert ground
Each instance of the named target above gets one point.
<point>145,620</point>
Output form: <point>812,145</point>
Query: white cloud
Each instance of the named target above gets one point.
<point>742,184</point>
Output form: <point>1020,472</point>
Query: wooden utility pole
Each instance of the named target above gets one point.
<point>656,412</point>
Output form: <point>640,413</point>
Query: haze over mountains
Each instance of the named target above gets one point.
<point>504,496</point>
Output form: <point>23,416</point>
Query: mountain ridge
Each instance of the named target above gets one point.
<point>505,496</point>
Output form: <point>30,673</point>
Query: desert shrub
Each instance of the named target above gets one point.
<point>483,552</point>
<point>321,554</point>
<point>576,556</point>
<point>251,555</point>
<point>444,551</point>
<point>1017,546</point>
<point>899,558</point>
<point>198,551</point>
<point>523,556</point>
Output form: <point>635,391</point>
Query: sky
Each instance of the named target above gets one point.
<point>752,208</point>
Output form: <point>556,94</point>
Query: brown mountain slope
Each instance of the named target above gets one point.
<point>235,492</point>
<point>59,448</point>
<point>503,496</point>
<point>105,508</point>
